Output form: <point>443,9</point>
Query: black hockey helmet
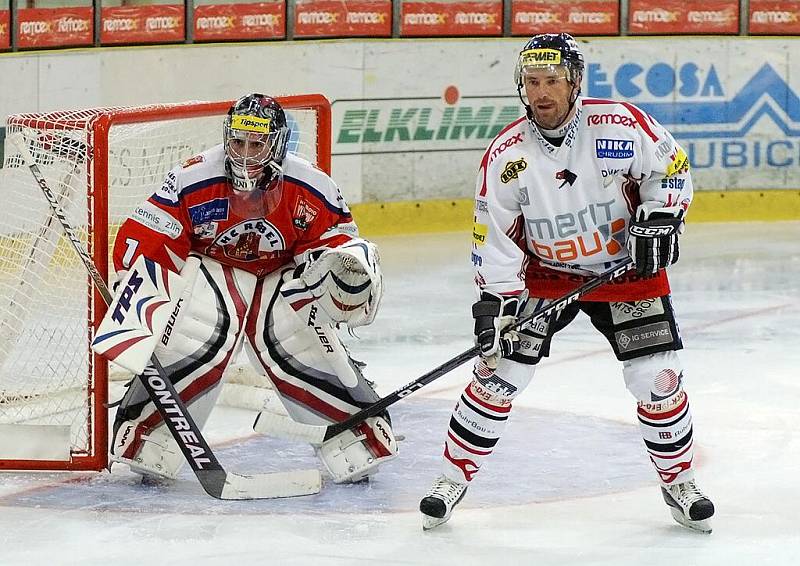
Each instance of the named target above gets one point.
<point>551,50</point>
<point>256,137</point>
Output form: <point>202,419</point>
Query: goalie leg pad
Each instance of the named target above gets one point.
<point>356,454</point>
<point>665,419</point>
<point>480,416</point>
<point>317,381</point>
<point>198,350</point>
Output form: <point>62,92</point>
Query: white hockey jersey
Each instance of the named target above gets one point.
<point>549,216</point>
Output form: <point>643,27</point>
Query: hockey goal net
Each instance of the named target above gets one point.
<point>101,163</point>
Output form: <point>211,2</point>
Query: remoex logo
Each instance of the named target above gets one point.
<point>365,17</point>
<point>317,18</point>
<point>158,23</point>
<point>215,22</point>
<point>475,18</point>
<point>72,25</point>
<point>709,16</point>
<point>34,27</point>
<point>537,18</point>
<point>589,17</point>
<point>261,20</point>
<point>120,24</point>
<point>425,19</point>
<point>658,15</point>
<point>773,17</point>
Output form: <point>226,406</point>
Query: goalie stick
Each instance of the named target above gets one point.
<point>282,426</point>
<point>215,480</point>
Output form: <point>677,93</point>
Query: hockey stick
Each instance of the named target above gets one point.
<point>214,479</point>
<point>317,434</point>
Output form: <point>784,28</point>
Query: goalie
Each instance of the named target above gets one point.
<point>269,257</point>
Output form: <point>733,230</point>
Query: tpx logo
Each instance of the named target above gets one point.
<point>566,176</point>
<point>124,303</point>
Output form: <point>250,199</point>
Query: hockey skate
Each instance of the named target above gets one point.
<point>438,503</point>
<point>689,506</point>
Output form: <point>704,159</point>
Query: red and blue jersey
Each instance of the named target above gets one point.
<point>196,210</point>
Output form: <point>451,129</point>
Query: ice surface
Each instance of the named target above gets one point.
<point>569,482</point>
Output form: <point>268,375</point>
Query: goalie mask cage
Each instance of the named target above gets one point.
<point>100,163</point>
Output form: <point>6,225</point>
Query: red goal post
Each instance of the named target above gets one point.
<point>101,163</point>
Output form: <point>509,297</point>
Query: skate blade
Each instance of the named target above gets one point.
<point>703,526</point>
<point>429,522</point>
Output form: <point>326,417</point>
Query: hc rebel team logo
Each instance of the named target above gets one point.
<point>249,240</point>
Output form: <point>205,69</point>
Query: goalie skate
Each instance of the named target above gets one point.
<point>439,502</point>
<point>689,506</point>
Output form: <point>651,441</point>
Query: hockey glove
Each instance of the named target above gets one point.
<point>653,237</point>
<point>493,314</point>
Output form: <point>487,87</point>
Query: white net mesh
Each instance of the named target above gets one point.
<point>45,297</point>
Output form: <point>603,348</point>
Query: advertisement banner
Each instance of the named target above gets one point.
<point>261,20</point>
<point>451,18</point>
<point>732,103</point>
<point>333,18</point>
<point>579,17</point>
<point>153,23</point>
<point>55,27</point>
<point>5,34</point>
<point>775,17</point>
<point>674,16</point>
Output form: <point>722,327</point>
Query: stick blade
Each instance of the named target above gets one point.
<point>266,486</point>
<point>282,426</point>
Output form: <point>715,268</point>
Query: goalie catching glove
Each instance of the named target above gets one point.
<point>653,237</point>
<point>494,313</point>
<point>345,282</point>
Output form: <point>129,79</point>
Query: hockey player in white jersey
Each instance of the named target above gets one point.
<point>563,193</point>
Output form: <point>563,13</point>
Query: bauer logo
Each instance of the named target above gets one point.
<point>613,149</point>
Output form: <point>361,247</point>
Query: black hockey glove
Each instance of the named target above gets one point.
<point>493,314</point>
<point>653,238</point>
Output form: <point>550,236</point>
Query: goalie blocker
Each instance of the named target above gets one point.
<point>197,334</point>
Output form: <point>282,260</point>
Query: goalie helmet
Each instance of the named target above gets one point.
<point>256,137</point>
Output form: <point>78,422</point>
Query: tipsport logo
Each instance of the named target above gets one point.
<point>715,123</point>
